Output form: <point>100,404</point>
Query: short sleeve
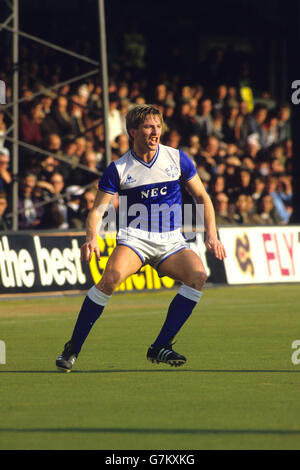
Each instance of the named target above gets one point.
<point>110,181</point>
<point>188,169</point>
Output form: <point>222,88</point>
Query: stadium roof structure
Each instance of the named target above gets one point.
<point>11,24</point>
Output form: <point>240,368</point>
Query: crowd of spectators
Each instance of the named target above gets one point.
<point>242,149</point>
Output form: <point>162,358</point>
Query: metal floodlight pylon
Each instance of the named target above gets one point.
<point>14,128</point>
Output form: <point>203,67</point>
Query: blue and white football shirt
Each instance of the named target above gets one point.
<point>150,187</point>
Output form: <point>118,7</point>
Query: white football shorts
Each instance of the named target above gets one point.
<point>152,248</point>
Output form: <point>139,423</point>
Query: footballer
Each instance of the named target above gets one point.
<point>148,174</point>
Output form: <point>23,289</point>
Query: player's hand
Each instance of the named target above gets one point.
<point>216,247</point>
<point>87,250</point>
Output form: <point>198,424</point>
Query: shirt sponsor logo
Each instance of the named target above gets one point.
<point>154,192</point>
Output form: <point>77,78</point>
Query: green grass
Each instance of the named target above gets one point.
<point>238,390</point>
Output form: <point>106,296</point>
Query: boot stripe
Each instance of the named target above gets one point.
<point>160,354</point>
<point>169,352</point>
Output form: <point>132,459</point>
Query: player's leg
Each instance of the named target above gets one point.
<point>122,263</point>
<point>187,267</point>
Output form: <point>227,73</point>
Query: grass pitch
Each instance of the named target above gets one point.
<point>238,390</point>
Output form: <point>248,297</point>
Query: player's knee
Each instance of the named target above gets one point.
<point>109,281</point>
<point>197,279</point>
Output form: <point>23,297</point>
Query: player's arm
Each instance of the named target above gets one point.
<point>95,215</point>
<point>198,191</point>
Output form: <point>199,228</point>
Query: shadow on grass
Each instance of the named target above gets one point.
<point>151,371</point>
<point>152,431</point>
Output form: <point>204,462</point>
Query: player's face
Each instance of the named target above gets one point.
<point>147,135</point>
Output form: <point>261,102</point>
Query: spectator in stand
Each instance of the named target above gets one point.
<point>90,160</point>
<point>123,92</point>
<point>221,209</point>
<point>31,124</point>
<point>231,174</point>
<point>270,128</point>
<point>3,128</point>
<point>86,203</point>
<point>185,94</point>
<point>258,187</point>
<point>197,92</point>
<point>277,151</point>
<point>80,146</point>
<point>121,147</point>
<point>53,143</point>
<point>264,167</point>
<point>58,210</point>
<point>124,108</point>
<point>193,148</point>
<point>77,115</point>
<point>139,99</point>
<point>5,174</point>
<point>64,90</point>
<point>84,94</point>
<point>58,185</point>
<point>244,180</point>
<point>95,100</point>
<point>252,146</point>
<point>160,93</point>
<point>220,98</point>
<point>284,211</point>
<point>59,120</point>
<point>69,151</point>
<point>266,214</point>
<point>169,114</point>
<point>81,177</point>
<point>32,214</point>
<point>276,166</point>
<point>288,149</point>
<point>5,222</point>
<point>204,118</point>
<point>230,122</point>
<point>172,138</point>
<point>135,91</point>
<point>220,168</point>
<point>232,150</point>
<point>192,116</point>
<point>244,109</point>
<point>218,124</point>
<point>284,124</point>
<point>46,102</point>
<point>53,218</point>
<point>285,188</point>
<point>49,165</point>
<point>232,94</point>
<point>248,162</point>
<point>26,95</point>
<point>183,123</point>
<point>218,185</point>
<point>204,176</point>
<point>241,215</point>
<point>241,127</point>
<point>73,196</point>
<point>115,122</point>
<point>209,154</point>
<point>255,124</point>
<point>251,207</point>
